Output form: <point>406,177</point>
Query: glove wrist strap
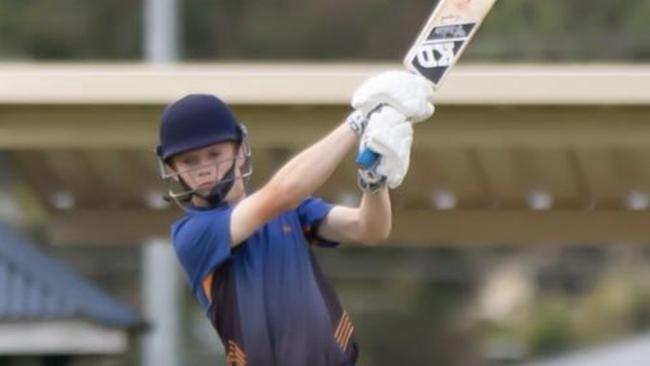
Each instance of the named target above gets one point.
<point>370,184</point>
<point>357,122</point>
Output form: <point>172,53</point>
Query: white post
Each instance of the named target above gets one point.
<point>161,30</point>
<point>161,305</point>
<point>161,277</point>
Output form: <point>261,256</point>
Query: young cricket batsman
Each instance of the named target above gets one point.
<point>248,255</point>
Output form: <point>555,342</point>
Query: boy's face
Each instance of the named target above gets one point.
<point>203,168</point>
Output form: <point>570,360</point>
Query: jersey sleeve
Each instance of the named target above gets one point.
<point>202,242</point>
<point>311,212</point>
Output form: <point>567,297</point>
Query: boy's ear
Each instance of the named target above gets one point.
<point>241,155</point>
<point>241,151</point>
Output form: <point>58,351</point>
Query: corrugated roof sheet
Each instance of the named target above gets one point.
<point>34,287</point>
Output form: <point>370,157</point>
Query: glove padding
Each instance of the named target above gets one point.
<point>409,93</point>
<point>390,135</point>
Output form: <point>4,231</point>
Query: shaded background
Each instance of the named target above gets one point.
<point>525,30</point>
<point>436,304</point>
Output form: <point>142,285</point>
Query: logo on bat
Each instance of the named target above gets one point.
<point>436,55</point>
<point>442,45</point>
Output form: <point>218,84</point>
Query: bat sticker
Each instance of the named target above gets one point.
<point>442,46</point>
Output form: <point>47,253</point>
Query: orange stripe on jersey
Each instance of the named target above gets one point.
<point>346,339</point>
<point>338,328</point>
<point>235,356</point>
<point>234,359</point>
<point>344,331</point>
<point>207,287</point>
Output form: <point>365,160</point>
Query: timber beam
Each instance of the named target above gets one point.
<point>414,227</point>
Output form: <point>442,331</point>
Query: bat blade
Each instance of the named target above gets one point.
<point>440,44</point>
<point>444,37</point>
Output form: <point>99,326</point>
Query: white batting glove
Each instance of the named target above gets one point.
<point>409,93</point>
<point>390,135</point>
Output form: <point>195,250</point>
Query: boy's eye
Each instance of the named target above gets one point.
<point>190,160</point>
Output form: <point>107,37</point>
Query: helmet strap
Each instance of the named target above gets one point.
<point>221,189</point>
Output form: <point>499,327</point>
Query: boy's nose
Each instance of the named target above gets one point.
<point>207,171</point>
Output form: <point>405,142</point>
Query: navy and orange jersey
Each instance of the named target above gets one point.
<point>267,298</point>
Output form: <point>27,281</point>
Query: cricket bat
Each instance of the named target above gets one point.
<point>439,45</point>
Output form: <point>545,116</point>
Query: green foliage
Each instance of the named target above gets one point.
<point>408,322</point>
<point>409,306</point>
<point>70,29</point>
<point>521,30</point>
<point>616,307</point>
<point>550,330</point>
<point>565,30</point>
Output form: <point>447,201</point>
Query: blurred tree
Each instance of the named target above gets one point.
<point>549,331</point>
<point>70,29</point>
<point>409,305</point>
<point>523,30</point>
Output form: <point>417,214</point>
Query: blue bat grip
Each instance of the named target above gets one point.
<point>367,158</point>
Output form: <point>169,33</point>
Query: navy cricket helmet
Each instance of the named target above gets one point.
<point>196,121</point>
<point>193,122</point>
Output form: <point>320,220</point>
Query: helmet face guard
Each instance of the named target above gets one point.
<point>193,122</point>
<point>223,171</point>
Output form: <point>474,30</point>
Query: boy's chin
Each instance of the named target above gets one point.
<point>204,192</point>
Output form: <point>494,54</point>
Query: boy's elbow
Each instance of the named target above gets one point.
<point>376,236</point>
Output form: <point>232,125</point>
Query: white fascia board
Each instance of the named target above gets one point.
<point>318,83</point>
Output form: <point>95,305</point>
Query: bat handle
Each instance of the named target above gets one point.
<point>367,159</point>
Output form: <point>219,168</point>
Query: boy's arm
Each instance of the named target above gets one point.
<point>370,223</point>
<point>389,134</point>
<point>408,94</point>
<point>294,182</point>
